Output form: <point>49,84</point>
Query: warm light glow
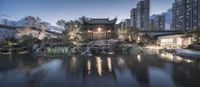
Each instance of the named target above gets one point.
<point>72,35</point>
<point>179,41</point>
<point>129,37</point>
<point>109,31</point>
<point>167,56</point>
<point>167,42</point>
<point>121,61</point>
<point>99,65</point>
<point>188,61</point>
<point>99,29</point>
<point>89,31</point>
<point>139,58</point>
<point>174,58</point>
<point>154,47</point>
<point>109,64</point>
<point>89,66</point>
<point>73,63</point>
<point>75,43</point>
<point>138,38</point>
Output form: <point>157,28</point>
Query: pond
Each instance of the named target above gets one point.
<point>146,70</point>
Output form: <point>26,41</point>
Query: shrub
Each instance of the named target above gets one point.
<point>194,47</point>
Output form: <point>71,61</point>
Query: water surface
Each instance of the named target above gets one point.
<point>147,70</point>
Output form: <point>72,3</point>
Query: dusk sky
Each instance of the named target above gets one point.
<point>53,10</point>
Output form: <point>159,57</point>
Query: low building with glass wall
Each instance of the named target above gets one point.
<point>173,41</point>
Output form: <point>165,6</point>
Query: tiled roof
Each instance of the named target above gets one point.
<point>99,21</point>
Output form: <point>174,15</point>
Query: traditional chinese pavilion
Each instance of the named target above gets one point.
<point>99,28</point>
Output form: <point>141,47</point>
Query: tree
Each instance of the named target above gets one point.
<point>30,21</point>
<point>38,22</point>
<point>42,30</point>
<point>4,21</point>
<point>45,24</point>
<point>195,33</point>
<point>132,32</point>
<point>72,32</point>
<point>24,32</point>
<point>61,23</point>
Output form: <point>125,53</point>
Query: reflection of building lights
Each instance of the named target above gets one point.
<point>99,65</point>
<point>99,29</point>
<point>121,61</point>
<point>170,56</point>
<point>167,56</point>
<point>162,55</point>
<point>153,47</point>
<point>40,61</point>
<point>89,66</point>
<point>178,59</point>
<point>109,64</point>
<point>175,58</point>
<point>188,61</point>
<point>157,51</point>
<point>73,61</point>
<point>139,58</point>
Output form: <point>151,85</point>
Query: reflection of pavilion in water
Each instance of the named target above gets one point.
<point>115,69</point>
<point>121,70</point>
<point>100,28</point>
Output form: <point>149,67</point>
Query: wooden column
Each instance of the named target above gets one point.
<point>92,33</point>
<point>106,33</point>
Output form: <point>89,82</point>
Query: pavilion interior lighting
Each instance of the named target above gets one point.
<point>109,31</point>
<point>89,31</point>
<point>99,29</point>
